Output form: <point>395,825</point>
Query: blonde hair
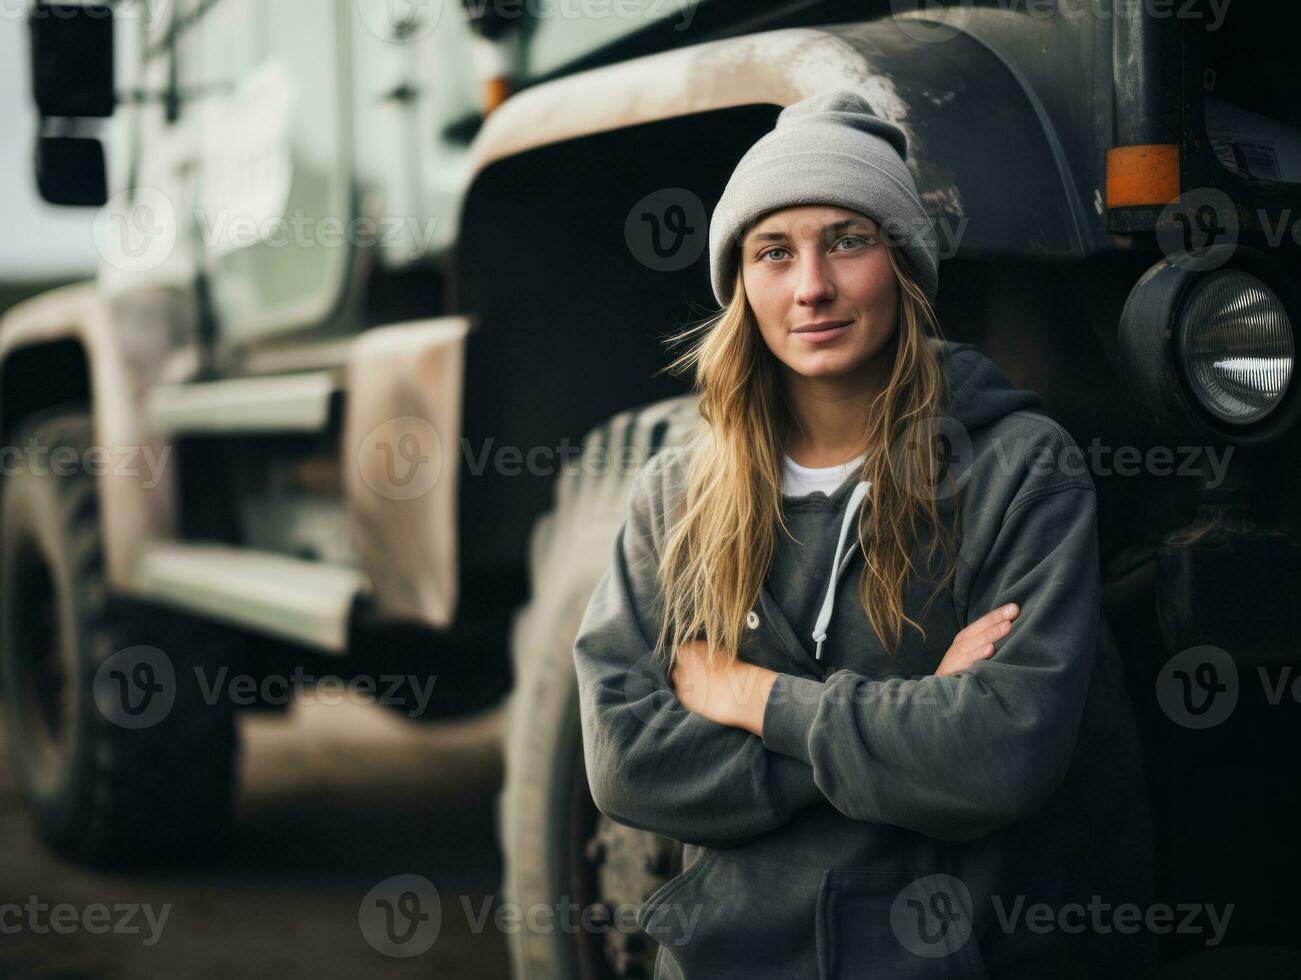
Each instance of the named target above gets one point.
<point>721,542</point>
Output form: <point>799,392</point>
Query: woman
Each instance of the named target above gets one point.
<point>855,763</point>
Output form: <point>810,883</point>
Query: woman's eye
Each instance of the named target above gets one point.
<point>864,239</point>
<point>860,239</point>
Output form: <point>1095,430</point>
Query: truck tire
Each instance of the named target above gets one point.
<point>556,846</point>
<point>103,788</point>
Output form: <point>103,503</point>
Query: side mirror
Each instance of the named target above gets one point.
<point>70,170</point>
<point>72,78</point>
<point>72,59</point>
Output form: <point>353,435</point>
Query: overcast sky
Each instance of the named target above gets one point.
<point>39,241</point>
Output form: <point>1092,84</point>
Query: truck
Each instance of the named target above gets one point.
<point>373,354</point>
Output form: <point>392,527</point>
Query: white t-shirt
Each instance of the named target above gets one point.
<point>801,480</point>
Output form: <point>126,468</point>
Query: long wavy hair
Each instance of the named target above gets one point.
<point>722,538</point>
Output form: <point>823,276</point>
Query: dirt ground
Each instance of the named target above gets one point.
<point>336,801</point>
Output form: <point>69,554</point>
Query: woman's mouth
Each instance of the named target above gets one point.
<point>821,333</point>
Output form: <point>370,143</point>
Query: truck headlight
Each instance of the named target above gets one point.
<point>1235,346</point>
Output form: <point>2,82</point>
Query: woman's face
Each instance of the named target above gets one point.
<point>821,266</point>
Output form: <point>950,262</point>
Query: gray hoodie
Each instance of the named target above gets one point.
<point>889,823</point>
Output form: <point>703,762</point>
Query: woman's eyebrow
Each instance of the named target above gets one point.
<point>835,226</point>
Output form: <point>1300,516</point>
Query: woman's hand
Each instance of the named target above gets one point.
<point>976,641</point>
<point>730,694</point>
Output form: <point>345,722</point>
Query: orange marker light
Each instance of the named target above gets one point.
<point>1142,175</point>
<point>495,91</point>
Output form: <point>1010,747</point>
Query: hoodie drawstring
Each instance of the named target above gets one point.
<point>838,566</point>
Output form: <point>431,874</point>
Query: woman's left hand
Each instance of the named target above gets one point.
<point>730,694</point>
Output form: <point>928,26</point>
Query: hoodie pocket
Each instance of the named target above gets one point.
<point>660,919</point>
<point>735,913</point>
<point>886,925</point>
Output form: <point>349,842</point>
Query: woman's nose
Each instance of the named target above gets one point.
<point>815,284</point>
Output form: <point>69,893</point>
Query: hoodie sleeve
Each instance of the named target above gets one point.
<point>957,757</point>
<point>651,763</point>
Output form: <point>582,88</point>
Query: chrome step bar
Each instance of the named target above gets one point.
<point>287,403</point>
<point>307,602</point>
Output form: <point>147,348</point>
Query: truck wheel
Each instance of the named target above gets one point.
<point>560,853</point>
<point>105,785</point>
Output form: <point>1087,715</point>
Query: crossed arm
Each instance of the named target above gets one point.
<point>711,756</point>
<point>736,694</point>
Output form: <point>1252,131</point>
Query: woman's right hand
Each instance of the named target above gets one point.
<point>976,641</point>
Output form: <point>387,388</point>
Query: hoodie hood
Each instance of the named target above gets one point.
<point>978,394</point>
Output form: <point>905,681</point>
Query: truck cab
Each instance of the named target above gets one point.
<point>378,322</point>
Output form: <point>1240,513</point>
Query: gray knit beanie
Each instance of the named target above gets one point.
<point>831,149</point>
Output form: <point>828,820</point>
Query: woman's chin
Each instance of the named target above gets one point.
<point>829,364</point>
